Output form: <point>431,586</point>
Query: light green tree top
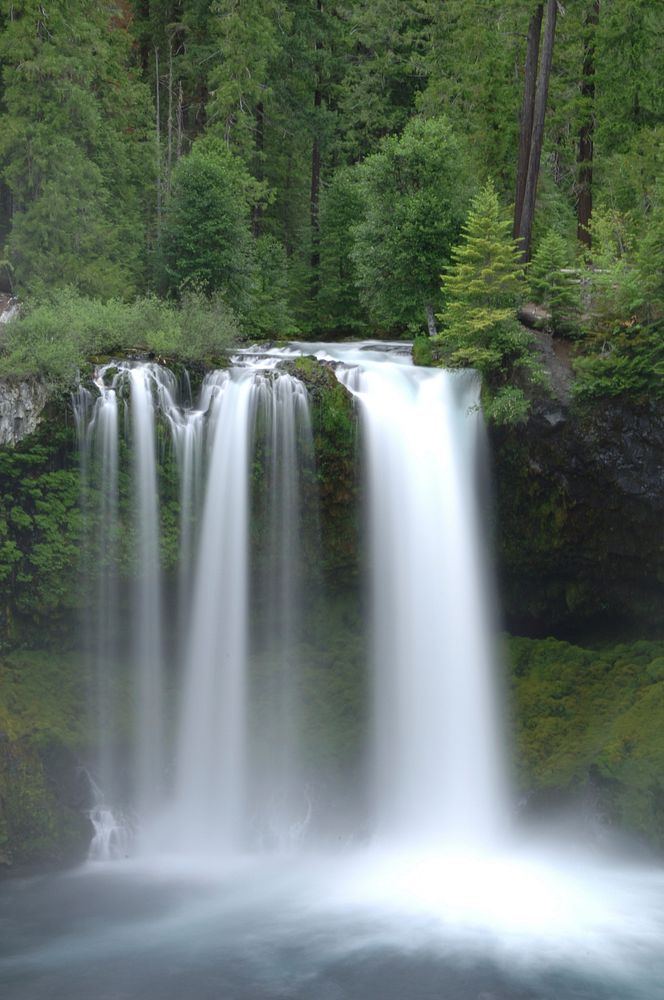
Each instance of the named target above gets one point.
<point>483,282</point>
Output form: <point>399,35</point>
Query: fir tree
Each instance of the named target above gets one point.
<point>552,282</point>
<point>481,288</point>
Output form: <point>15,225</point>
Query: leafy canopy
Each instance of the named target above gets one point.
<point>415,190</point>
<point>206,240</point>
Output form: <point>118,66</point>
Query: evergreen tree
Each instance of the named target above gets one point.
<point>553,281</point>
<point>338,305</point>
<point>482,286</point>
<point>387,46</point>
<point>73,147</point>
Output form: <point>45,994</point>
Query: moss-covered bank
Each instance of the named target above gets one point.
<point>588,728</point>
<point>43,729</point>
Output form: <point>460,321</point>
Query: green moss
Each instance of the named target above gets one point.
<point>40,529</point>
<point>43,725</point>
<point>593,718</point>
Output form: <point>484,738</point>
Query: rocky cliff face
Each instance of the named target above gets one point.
<point>579,523</point>
<point>21,408</point>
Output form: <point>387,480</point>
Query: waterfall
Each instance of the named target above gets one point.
<point>192,790</point>
<point>283,433</point>
<point>438,774</point>
<point>211,750</point>
<point>217,638</point>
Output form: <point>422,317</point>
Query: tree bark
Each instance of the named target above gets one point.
<point>169,141</point>
<point>315,173</point>
<point>584,209</point>
<point>431,320</point>
<point>541,98</point>
<point>257,214</point>
<point>158,136</point>
<point>527,111</point>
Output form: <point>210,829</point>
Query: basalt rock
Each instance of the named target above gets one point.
<point>579,518</point>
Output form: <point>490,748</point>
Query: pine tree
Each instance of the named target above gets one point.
<point>552,282</point>
<point>481,288</point>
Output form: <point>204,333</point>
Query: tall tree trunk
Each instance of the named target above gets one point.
<point>158,136</point>
<point>527,111</point>
<point>180,122</point>
<point>584,208</point>
<point>169,143</point>
<point>541,98</point>
<point>315,172</point>
<point>257,215</point>
<point>431,320</point>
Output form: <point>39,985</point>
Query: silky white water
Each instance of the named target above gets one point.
<point>227,779</point>
<point>437,757</point>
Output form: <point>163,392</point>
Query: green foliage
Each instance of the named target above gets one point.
<point>55,338</point>
<point>40,531</point>
<point>269,313</point>
<point>73,148</point>
<point>206,241</point>
<point>338,303</point>
<point>479,329</point>
<point>469,75</point>
<point>42,719</point>
<point>385,45</point>
<point>415,191</point>
<point>623,351</point>
<point>592,717</point>
<point>202,329</point>
<point>553,281</point>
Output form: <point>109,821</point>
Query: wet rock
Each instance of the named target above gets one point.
<point>21,407</point>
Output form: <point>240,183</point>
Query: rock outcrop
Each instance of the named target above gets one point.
<point>21,407</point>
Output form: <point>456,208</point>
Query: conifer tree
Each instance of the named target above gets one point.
<point>73,149</point>
<point>552,282</point>
<point>481,287</point>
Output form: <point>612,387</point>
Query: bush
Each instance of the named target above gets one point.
<point>56,336</point>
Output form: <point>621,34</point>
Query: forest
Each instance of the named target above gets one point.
<point>182,175</point>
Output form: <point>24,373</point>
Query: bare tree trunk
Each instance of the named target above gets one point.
<point>431,320</point>
<point>527,111</point>
<point>169,148</point>
<point>180,125</point>
<point>541,98</point>
<point>158,136</point>
<point>257,216</point>
<point>315,175</point>
<point>584,208</point>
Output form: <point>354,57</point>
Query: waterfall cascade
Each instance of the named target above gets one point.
<point>211,772</point>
